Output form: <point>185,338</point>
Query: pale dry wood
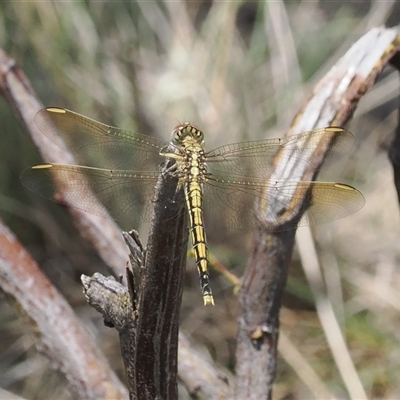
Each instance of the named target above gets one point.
<point>332,102</point>
<point>113,301</point>
<point>207,382</point>
<point>6,395</point>
<point>60,334</point>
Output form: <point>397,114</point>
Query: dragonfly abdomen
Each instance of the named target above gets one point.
<point>194,201</point>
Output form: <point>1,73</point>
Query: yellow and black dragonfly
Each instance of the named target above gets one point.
<point>121,169</point>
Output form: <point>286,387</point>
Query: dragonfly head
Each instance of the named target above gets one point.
<point>187,132</point>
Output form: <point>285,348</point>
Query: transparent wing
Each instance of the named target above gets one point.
<point>236,179</point>
<point>254,159</point>
<point>99,145</point>
<point>126,195</point>
<point>237,174</point>
<point>328,201</point>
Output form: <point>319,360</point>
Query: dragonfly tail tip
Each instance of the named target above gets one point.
<point>208,299</point>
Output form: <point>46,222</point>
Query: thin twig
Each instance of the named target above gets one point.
<point>329,322</point>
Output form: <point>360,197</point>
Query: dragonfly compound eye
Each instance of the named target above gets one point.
<point>185,130</point>
<point>177,133</point>
<point>198,133</point>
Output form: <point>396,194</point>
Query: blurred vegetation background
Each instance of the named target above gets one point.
<point>239,70</point>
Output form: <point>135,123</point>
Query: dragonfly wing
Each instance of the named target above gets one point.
<point>233,201</point>
<point>97,144</point>
<point>230,205</point>
<point>126,195</point>
<point>255,159</point>
<point>331,201</point>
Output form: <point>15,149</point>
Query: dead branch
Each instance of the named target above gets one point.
<point>332,102</point>
<point>199,376</point>
<point>60,333</point>
<point>156,345</point>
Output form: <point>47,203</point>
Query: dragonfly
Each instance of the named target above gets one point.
<point>121,168</point>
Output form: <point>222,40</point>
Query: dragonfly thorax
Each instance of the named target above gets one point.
<point>186,148</point>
